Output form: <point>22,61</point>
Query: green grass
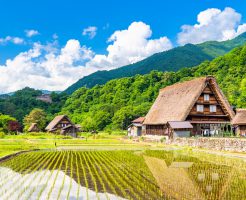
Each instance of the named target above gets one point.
<point>14,143</point>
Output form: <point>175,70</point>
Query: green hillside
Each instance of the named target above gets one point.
<point>186,56</point>
<point>20,103</point>
<point>116,103</point>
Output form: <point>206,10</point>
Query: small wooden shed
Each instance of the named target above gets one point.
<point>179,129</point>
<point>69,130</point>
<point>33,128</point>
<point>239,122</point>
<point>135,128</point>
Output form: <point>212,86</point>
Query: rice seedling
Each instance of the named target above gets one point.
<point>114,177</point>
<point>84,174</point>
<point>91,175</point>
<point>15,166</point>
<point>107,179</point>
<point>77,174</point>
<point>55,179</point>
<point>55,159</point>
<point>63,181</point>
<point>27,190</point>
<point>71,174</point>
<point>121,175</point>
<point>95,172</point>
<point>30,176</point>
<point>19,180</point>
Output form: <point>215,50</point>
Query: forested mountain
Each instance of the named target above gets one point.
<point>21,102</point>
<point>186,56</point>
<point>116,103</point>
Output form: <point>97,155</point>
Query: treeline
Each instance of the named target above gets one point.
<point>22,102</point>
<point>115,104</point>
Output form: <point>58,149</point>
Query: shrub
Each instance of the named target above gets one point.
<point>163,139</point>
<point>2,134</point>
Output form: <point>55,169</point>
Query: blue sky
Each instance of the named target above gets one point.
<point>69,19</point>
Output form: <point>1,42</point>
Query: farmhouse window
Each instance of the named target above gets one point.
<point>199,108</point>
<point>63,125</point>
<point>212,108</point>
<point>206,97</point>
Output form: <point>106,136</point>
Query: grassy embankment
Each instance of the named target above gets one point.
<point>101,141</point>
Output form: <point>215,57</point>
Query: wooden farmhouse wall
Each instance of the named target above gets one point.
<point>207,99</point>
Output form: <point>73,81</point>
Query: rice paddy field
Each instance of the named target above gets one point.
<point>16,143</point>
<point>122,174</point>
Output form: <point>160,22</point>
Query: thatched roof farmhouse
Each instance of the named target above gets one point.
<point>239,121</point>
<point>199,101</point>
<point>33,128</point>
<point>63,125</point>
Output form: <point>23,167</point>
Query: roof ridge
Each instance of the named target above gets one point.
<point>241,109</point>
<point>183,82</point>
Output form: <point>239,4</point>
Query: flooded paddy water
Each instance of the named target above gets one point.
<point>148,174</point>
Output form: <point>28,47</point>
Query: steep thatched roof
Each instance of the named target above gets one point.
<point>33,127</point>
<point>138,120</point>
<point>175,102</point>
<point>240,118</point>
<point>55,121</point>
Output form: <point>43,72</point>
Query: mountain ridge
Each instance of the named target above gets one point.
<point>189,55</point>
<point>115,104</point>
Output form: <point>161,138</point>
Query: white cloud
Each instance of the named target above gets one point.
<point>17,40</point>
<point>52,68</point>
<point>46,67</point>
<point>241,29</point>
<point>213,24</point>
<point>31,33</point>
<point>14,40</point>
<point>91,31</point>
<point>129,46</point>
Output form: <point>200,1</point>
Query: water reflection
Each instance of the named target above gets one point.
<point>122,174</point>
<point>197,177</point>
<point>45,180</point>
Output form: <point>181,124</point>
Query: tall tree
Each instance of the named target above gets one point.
<point>14,126</point>
<point>37,116</point>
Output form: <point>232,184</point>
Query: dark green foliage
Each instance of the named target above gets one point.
<point>115,104</point>
<point>4,122</point>
<point>172,60</point>
<point>23,101</point>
